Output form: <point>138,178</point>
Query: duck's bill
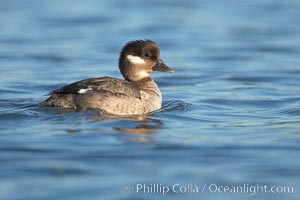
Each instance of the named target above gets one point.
<point>162,67</point>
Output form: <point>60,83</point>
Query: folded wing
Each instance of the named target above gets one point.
<point>112,85</point>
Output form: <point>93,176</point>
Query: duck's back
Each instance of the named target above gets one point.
<point>113,85</point>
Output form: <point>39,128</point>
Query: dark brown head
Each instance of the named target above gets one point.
<point>139,59</point>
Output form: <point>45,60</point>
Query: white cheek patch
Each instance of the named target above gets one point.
<point>135,59</point>
<point>82,91</point>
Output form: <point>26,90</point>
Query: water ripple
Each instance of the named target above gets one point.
<point>176,106</point>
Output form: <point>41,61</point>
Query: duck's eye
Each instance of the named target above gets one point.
<point>147,55</point>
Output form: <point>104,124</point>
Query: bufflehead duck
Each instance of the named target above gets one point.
<point>137,94</point>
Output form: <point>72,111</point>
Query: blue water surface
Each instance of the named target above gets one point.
<point>230,116</point>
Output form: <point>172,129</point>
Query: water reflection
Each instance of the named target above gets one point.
<point>137,124</point>
<point>145,128</point>
<point>142,127</point>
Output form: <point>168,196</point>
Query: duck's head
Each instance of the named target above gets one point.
<point>139,59</point>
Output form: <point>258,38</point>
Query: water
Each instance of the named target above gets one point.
<point>231,113</point>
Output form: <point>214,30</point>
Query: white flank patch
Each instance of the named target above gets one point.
<point>135,59</point>
<point>82,91</point>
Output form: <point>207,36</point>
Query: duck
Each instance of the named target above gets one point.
<point>136,94</point>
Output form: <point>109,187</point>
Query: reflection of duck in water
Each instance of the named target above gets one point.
<point>144,129</point>
<point>137,124</point>
<point>137,94</point>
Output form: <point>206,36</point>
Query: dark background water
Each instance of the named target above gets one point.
<point>231,113</point>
